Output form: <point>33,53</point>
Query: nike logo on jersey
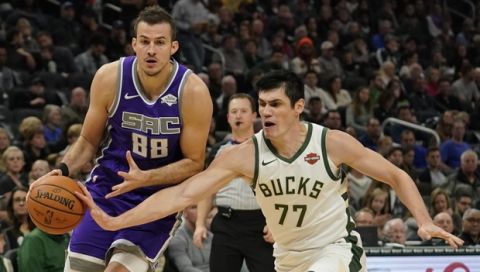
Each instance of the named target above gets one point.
<point>128,97</point>
<point>267,163</point>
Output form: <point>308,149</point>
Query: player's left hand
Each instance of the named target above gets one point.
<point>131,180</point>
<point>267,235</point>
<point>104,220</point>
<point>429,230</point>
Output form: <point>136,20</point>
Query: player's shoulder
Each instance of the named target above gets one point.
<point>195,86</point>
<point>108,73</point>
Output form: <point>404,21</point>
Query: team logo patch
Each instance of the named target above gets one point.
<point>169,99</point>
<point>312,158</point>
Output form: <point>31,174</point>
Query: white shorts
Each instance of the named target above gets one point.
<point>340,256</point>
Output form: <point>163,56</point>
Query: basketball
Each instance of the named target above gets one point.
<point>53,205</point>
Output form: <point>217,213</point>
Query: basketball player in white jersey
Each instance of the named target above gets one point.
<point>294,169</point>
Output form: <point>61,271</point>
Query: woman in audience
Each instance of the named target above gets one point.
<point>360,110</point>
<point>20,223</point>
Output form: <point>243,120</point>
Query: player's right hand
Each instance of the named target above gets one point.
<point>54,172</point>
<point>199,236</point>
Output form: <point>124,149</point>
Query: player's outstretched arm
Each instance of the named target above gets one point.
<point>173,199</point>
<point>343,148</point>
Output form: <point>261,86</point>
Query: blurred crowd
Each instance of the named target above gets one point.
<point>363,63</point>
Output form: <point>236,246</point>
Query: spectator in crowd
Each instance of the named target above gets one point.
<point>445,100</point>
<point>39,168</point>
<point>432,82</point>
<point>384,145</point>
<point>372,134</point>
<point>388,53</point>
<point>340,96</point>
<point>421,103</point>
<point>463,201</point>
<point>234,57</point>
<point>89,61</point>
<point>395,232</point>
<point>364,218</point>
<point>452,149</point>
<point>76,110</point>
<point>20,223</point>
<point>444,125</point>
<point>19,58</point>
<point>34,145</point>
<point>250,53</point>
<point>378,201</point>
<point>306,59</point>
<point>8,78</point>
<point>439,202</point>
<point>4,144</point>
<point>36,97</point>
<point>310,80</point>
<point>465,88</point>
<point>23,25</point>
<point>329,64</point>
<point>388,100</point>
<point>435,174</point>
<point>229,88</point>
<point>360,110</point>
<point>42,252</point>
<point>376,87</point>
<point>471,227</point>
<point>52,120</point>
<point>191,19</point>
<point>408,140</point>
<point>66,31</point>
<point>315,114</point>
<point>467,175</point>
<point>333,120</point>
<point>61,56</point>
<point>116,41</point>
<point>182,252</point>
<point>15,175</point>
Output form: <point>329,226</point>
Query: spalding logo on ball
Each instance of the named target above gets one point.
<point>53,205</point>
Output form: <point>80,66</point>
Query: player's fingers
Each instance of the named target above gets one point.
<point>116,190</point>
<point>124,175</point>
<point>131,162</point>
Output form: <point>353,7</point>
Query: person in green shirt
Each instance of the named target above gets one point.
<point>41,251</point>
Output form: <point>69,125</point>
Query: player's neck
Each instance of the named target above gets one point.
<point>288,144</point>
<point>153,86</point>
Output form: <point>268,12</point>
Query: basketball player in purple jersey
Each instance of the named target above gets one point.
<point>156,115</point>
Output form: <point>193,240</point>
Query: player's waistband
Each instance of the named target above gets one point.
<point>229,212</point>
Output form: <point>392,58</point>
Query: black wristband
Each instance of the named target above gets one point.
<point>64,168</point>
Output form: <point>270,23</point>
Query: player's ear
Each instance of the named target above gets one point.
<point>299,105</point>
<point>174,48</point>
<point>134,44</point>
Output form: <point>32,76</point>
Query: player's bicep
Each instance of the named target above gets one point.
<point>196,115</point>
<point>102,93</point>
<point>344,149</point>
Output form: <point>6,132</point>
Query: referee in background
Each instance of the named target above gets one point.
<point>239,228</point>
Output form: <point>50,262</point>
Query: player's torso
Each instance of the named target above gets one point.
<point>302,198</point>
<point>150,129</point>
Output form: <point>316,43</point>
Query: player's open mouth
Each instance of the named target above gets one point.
<point>268,124</point>
<point>151,61</point>
<point>238,123</point>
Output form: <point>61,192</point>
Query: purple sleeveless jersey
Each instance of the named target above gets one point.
<point>150,129</point>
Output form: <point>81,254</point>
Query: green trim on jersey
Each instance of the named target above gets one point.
<point>357,252</point>
<point>325,157</point>
<point>299,152</point>
<point>257,156</point>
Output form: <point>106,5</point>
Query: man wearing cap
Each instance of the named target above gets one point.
<point>67,31</point>
<point>36,97</point>
<point>329,64</point>
<point>306,58</point>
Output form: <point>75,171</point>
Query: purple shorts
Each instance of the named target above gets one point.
<point>90,239</point>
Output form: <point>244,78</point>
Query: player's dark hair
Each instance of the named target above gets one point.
<point>155,15</point>
<point>290,82</point>
<point>243,96</point>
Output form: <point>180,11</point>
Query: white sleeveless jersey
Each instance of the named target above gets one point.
<point>303,198</point>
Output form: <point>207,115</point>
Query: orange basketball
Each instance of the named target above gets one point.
<point>53,205</point>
